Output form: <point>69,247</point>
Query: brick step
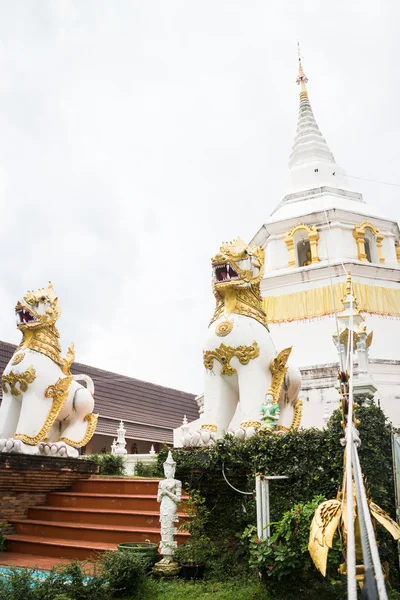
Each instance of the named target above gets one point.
<point>56,547</point>
<point>143,518</point>
<point>109,502</point>
<point>110,534</point>
<point>41,563</point>
<point>117,485</point>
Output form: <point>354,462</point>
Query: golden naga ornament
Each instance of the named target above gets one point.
<point>24,379</point>
<point>224,354</point>
<point>223,328</point>
<point>278,369</point>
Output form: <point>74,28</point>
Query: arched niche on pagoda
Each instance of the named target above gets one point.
<point>369,242</point>
<point>302,245</point>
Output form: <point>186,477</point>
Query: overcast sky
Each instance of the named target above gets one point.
<point>135,136</point>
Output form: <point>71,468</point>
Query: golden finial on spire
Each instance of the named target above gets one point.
<point>301,77</point>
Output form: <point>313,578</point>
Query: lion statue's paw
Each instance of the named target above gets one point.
<point>14,446</point>
<point>60,449</point>
<point>199,438</point>
<point>242,433</point>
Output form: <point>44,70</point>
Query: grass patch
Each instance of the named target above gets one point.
<point>187,590</point>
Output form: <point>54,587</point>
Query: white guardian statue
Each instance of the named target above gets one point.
<point>169,495</point>
<point>44,408</point>
<point>240,360</point>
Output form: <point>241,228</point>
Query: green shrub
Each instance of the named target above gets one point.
<point>109,464</point>
<point>284,561</point>
<point>311,459</point>
<point>71,581</point>
<point>16,584</point>
<point>125,573</point>
<point>146,469</point>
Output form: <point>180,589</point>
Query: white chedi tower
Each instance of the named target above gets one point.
<point>319,231</point>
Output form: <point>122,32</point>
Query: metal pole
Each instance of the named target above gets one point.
<point>258,505</point>
<point>351,545</point>
<point>370,529</point>
<point>263,508</point>
<point>268,531</point>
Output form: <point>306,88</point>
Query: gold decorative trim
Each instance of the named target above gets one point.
<point>282,428</point>
<point>398,253</point>
<point>92,422</point>
<point>359,235</point>
<point>68,360</point>
<point>223,328</point>
<point>59,393</point>
<point>224,354</point>
<point>278,369</point>
<point>313,237</point>
<point>17,358</point>
<point>255,424</point>
<point>206,427</point>
<point>24,379</point>
<point>317,302</point>
<point>298,412</point>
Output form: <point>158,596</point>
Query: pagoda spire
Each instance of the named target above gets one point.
<point>309,144</point>
<point>301,77</point>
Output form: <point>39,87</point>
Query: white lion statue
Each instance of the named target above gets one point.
<point>44,408</point>
<point>240,360</point>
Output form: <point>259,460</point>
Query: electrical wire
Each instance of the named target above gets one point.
<point>230,485</point>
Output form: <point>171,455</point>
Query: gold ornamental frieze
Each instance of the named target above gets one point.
<point>23,379</point>
<point>223,354</point>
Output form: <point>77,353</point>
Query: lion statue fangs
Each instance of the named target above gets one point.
<point>239,354</point>
<point>44,408</point>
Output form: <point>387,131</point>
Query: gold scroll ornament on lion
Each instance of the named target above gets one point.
<point>223,354</point>
<point>24,379</point>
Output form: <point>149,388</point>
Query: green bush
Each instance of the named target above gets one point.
<point>311,459</point>
<point>125,573</point>
<point>17,585</point>
<point>109,464</point>
<point>284,561</point>
<point>116,575</point>
<point>146,469</point>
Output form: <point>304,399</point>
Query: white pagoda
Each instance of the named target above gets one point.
<point>320,230</point>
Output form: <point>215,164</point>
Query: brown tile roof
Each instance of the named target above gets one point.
<point>149,411</point>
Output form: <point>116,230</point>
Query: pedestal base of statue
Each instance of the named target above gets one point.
<point>167,567</point>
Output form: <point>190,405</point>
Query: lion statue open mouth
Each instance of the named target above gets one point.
<point>44,408</point>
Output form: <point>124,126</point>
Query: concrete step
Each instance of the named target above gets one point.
<point>110,534</point>
<point>109,502</point>
<point>143,518</point>
<point>56,547</point>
